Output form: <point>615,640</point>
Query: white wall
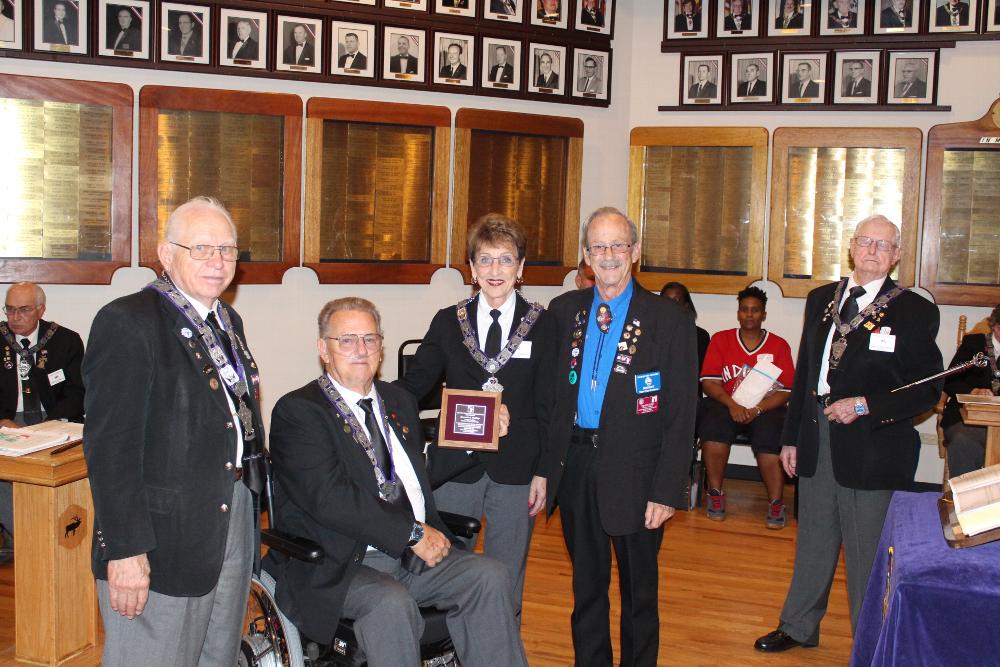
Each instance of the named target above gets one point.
<point>280,319</point>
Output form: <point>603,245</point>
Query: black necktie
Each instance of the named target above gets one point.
<point>394,494</point>
<point>32,407</point>
<point>220,335</point>
<point>850,307</point>
<point>493,336</point>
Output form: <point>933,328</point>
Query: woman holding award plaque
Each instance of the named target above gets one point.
<point>493,341</point>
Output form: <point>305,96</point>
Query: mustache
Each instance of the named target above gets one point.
<point>610,263</point>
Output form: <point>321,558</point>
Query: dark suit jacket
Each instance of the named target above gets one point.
<point>597,18</point>
<point>812,89</point>
<point>497,7</point>
<point>192,48</point>
<point>158,439</point>
<point>864,88</point>
<point>890,19</point>
<point>551,82</point>
<point>642,457</point>
<point>307,57</point>
<point>442,353</point>
<point>360,61</point>
<point>759,88</point>
<point>52,35</point>
<point>833,22</point>
<point>918,89</point>
<point>943,16</point>
<point>710,90</point>
<point>681,25</point>
<point>249,50</point>
<point>325,491</point>
<point>963,383</point>
<point>461,4</point>
<point>797,21</point>
<point>745,22</point>
<point>459,72</point>
<point>131,42</point>
<point>64,352</point>
<point>506,77</point>
<point>403,65</point>
<point>879,450</point>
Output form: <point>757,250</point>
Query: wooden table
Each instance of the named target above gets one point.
<point>55,601</point>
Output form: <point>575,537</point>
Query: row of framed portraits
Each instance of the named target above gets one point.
<point>810,77</point>
<point>734,19</point>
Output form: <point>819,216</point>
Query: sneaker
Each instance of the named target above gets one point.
<point>776,515</point>
<point>716,505</point>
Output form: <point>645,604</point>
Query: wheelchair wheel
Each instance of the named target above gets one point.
<point>269,639</point>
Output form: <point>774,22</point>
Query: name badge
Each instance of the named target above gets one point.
<point>523,350</point>
<point>769,358</point>
<point>55,377</point>
<point>647,382</point>
<point>882,342</point>
<point>647,404</point>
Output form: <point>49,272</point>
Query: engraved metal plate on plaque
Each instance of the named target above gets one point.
<point>970,217</point>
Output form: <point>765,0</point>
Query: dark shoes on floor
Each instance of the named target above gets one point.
<point>776,641</point>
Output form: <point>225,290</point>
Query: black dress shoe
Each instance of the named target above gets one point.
<point>776,641</point>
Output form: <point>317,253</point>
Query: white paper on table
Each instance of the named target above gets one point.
<point>756,384</point>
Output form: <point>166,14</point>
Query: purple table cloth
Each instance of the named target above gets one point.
<point>941,605</point>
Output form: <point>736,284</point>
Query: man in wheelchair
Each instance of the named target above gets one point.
<point>349,475</point>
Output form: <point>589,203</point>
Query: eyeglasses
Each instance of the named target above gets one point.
<point>618,247</point>
<point>372,341</point>
<point>23,311</point>
<point>485,261</point>
<point>230,253</point>
<point>881,244</point>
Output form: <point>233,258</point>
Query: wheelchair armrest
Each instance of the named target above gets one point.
<point>292,546</point>
<point>460,525</point>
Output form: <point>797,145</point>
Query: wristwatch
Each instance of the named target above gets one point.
<point>859,407</point>
<point>416,534</point>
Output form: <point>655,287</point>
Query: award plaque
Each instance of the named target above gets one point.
<point>470,419</point>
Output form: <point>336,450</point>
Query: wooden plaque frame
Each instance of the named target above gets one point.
<point>489,399</point>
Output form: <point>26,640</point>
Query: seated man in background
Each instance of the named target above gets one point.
<point>40,378</point>
<point>733,356</point>
<point>967,444</point>
<point>349,475</point>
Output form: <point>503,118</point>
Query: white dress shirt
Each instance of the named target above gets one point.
<point>871,291</point>
<point>484,319</point>
<point>32,339</point>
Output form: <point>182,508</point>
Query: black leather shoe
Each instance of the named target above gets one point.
<point>776,641</point>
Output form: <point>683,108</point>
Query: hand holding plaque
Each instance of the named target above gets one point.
<point>470,419</point>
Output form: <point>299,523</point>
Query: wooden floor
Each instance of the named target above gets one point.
<point>721,586</point>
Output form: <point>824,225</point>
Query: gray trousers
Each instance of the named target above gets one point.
<point>830,515</point>
<point>966,448</point>
<point>383,600</point>
<point>189,631</point>
<point>508,526</point>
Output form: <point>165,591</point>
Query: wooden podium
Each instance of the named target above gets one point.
<point>55,601</point>
<point>984,411</point>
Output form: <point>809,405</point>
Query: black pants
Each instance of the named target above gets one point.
<point>589,551</point>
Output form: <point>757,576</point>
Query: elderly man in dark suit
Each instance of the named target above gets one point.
<point>128,36</point>
<point>173,443</point>
<point>953,13</point>
<point>847,435</point>
<point>403,62</point>
<point>841,16</point>
<point>502,71</point>
<point>349,475</point>
<point>301,50</point>
<point>739,18</point>
<point>60,28</point>
<point>909,84</point>
<point>896,15</point>
<point>803,86</point>
<point>40,378</point>
<point>244,47</point>
<point>619,442</point>
<point>856,84</point>
<point>591,14</point>
<point>186,40</point>
<point>967,444</point>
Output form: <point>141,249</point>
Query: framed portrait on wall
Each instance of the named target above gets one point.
<point>790,17</point>
<point>123,28</point>
<point>751,78</point>
<point>550,13</point>
<point>416,5</point>
<point>403,54</point>
<point>547,64</point>
<point>688,19</point>
<point>912,77</point>
<point>501,64</point>
<point>242,38</point>
<point>953,15</point>
<point>187,30</point>
<point>300,44</point>
<point>701,79</point>
<point>992,16</point>
<point>595,16</point>
<point>353,49</point>
<point>455,7</point>
<point>856,77</point>
<point>896,16</point>
<point>508,11</point>
<point>454,58</point>
<point>737,18</point>
<point>842,17</point>
<point>803,78</point>
<point>11,23</point>
<point>61,26</point>
<point>590,71</point>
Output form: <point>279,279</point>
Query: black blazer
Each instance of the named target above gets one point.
<point>710,90</point>
<point>743,90</point>
<point>551,82</point>
<point>745,22</point>
<point>812,89</point>
<point>877,451</point>
<point>403,64</point>
<point>192,48</point>
<point>595,18</point>
<point>943,16</point>
<point>51,34</point>
<point>64,352</point>
<point>360,61</point>
<point>131,42</point>
<point>506,77</point>
<point>442,352</point>
<point>833,22</point>
<point>890,19</point>
<point>797,21</point>
<point>917,89</point>
<point>459,72</point>
<point>248,51</point>
<point>681,24</point>
<point>306,58</point>
<point>864,88</point>
<point>325,491</point>
<point>158,439</point>
<point>643,457</point>
<point>966,381</point>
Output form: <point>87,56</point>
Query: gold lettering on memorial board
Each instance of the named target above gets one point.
<point>970,222</point>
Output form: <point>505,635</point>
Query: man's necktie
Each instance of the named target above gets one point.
<point>850,307</point>
<point>220,335</point>
<point>395,494</point>
<point>493,336</point>
<point>32,406</point>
